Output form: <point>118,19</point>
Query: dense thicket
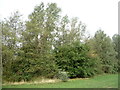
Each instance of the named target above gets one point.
<point>74,59</point>
<point>48,43</point>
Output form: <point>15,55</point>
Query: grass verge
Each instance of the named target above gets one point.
<point>101,81</point>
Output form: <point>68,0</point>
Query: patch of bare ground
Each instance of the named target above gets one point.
<point>33,82</point>
<point>79,78</point>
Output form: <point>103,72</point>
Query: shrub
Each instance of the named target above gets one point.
<point>63,76</point>
<point>74,60</point>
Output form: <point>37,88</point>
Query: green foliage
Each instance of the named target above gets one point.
<point>74,60</point>
<point>47,42</point>
<point>11,29</point>
<point>69,31</point>
<point>34,58</point>
<point>102,46</point>
<point>116,42</point>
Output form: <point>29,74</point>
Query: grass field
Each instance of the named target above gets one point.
<point>101,81</point>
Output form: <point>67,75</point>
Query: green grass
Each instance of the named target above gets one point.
<point>101,81</point>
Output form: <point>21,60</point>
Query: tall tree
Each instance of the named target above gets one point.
<point>1,53</point>
<point>61,35</point>
<point>11,33</point>
<point>103,47</point>
<point>38,39</point>
<point>116,42</point>
<point>70,31</point>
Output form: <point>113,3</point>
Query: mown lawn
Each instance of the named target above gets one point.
<point>101,81</point>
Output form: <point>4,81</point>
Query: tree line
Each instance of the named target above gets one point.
<point>47,43</point>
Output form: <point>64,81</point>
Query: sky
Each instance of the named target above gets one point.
<point>95,14</point>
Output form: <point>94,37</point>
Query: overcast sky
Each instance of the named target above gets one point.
<point>95,14</point>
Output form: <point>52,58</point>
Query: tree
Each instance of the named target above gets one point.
<point>69,31</point>
<point>1,53</point>
<point>36,50</point>
<point>73,59</point>
<point>11,33</point>
<point>116,42</point>
<point>103,47</point>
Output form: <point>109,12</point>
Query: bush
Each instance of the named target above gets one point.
<point>107,68</point>
<point>74,60</point>
<point>63,76</point>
